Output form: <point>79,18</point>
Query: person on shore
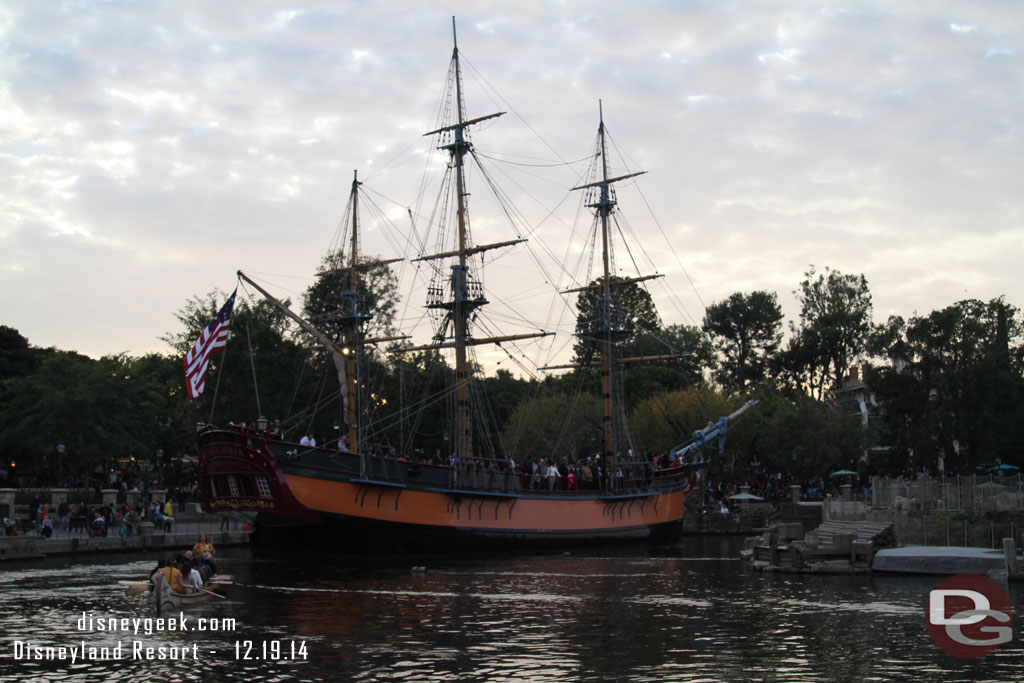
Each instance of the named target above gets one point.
<point>33,509</point>
<point>99,525</point>
<point>62,512</point>
<point>203,546</point>
<point>168,513</point>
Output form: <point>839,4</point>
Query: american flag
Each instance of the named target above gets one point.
<point>214,337</point>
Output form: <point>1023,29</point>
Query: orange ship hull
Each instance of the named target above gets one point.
<point>370,502</point>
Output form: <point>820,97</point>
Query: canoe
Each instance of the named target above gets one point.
<point>164,597</point>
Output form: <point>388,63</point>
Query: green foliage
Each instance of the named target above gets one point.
<point>260,337</point>
<point>668,419</point>
<point>949,380</point>
<point>809,438</point>
<point>835,320</point>
<point>748,330</point>
<point>17,358</point>
<point>954,381</point>
<point>377,294</point>
<point>99,410</point>
<point>631,313</point>
<point>554,426</point>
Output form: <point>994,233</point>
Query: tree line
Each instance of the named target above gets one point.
<point>838,391</point>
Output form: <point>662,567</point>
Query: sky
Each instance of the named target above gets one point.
<point>150,149</point>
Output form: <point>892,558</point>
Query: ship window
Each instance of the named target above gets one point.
<point>213,487</point>
<point>263,485</point>
<point>232,485</point>
<point>245,484</point>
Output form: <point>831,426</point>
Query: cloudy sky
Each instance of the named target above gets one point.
<point>149,149</point>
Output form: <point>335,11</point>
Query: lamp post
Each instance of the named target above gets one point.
<point>60,465</point>
<point>261,424</point>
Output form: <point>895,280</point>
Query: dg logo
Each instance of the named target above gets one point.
<point>969,616</point>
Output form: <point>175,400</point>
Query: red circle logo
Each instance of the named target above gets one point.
<point>968,616</point>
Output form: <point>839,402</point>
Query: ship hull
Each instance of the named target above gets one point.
<point>323,498</point>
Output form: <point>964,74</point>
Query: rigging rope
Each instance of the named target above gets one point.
<point>252,362</point>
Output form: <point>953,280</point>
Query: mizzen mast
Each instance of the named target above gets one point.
<point>352,320</point>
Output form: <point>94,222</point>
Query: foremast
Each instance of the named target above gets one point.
<point>607,329</point>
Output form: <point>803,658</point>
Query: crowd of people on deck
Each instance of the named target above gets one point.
<point>630,470</point>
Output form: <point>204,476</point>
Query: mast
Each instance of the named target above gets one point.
<point>352,320</point>
<point>460,274</point>
<point>346,354</point>
<point>608,330</point>
<point>466,294</point>
<point>604,208</point>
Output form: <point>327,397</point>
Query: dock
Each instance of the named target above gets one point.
<point>832,547</point>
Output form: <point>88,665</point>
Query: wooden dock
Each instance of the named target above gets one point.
<point>833,547</point>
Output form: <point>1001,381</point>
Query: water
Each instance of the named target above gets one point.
<point>687,612</point>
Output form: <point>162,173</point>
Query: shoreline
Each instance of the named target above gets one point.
<point>21,550</point>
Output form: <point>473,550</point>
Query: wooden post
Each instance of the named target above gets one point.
<point>794,493</point>
<point>1010,553</point>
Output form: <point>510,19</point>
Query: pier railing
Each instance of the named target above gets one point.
<point>973,494</point>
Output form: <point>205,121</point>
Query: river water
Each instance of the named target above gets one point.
<point>685,612</point>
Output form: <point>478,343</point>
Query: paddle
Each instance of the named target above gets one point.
<point>222,597</point>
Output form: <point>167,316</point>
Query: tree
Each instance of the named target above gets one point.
<point>324,300</point>
<point>97,409</point>
<point>631,313</point>
<point>17,357</point>
<point>669,419</point>
<point>835,320</point>
<point>259,343</point>
<point>554,426</point>
<point>953,387</point>
<point>748,330</point>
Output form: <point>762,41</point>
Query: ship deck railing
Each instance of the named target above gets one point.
<point>481,474</point>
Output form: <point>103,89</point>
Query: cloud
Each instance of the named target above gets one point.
<point>150,150</point>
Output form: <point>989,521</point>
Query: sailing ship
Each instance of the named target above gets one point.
<point>369,497</point>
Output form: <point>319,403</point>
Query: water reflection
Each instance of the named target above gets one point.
<point>688,612</point>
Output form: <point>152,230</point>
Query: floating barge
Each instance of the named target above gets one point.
<point>948,560</point>
<point>862,547</point>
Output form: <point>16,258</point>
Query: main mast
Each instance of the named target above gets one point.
<point>466,293</point>
<point>464,305</point>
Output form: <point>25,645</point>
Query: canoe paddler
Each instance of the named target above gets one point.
<point>203,546</point>
<point>170,574</point>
